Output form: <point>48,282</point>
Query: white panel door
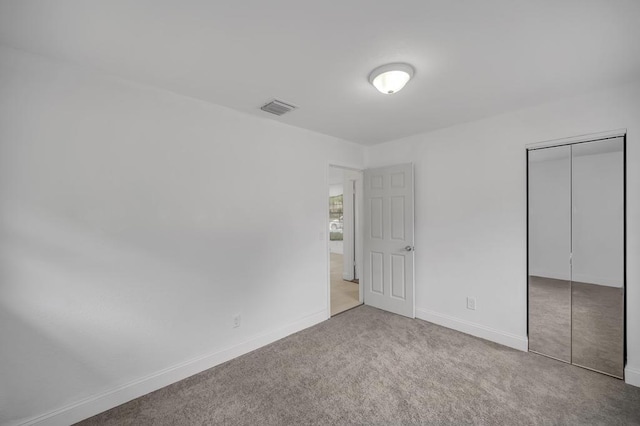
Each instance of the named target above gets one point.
<point>388,239</point>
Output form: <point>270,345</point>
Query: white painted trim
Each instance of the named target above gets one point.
<point>95,404</point>
<point>578,139</point>
<point>578,278</point>
<point>349,225</point>
<point>327,242</point>
<point>347,166</point>
<point>632,376</point>
<point>513,341</point>
<point>360,235</point>
<point>593,279</point>
<point>549,274</point>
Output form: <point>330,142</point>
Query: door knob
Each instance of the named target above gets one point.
<point>409,248</point>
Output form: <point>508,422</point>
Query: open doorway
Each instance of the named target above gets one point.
<point>344,238</point>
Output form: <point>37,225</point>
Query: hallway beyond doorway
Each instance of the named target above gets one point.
<point>344,294</point>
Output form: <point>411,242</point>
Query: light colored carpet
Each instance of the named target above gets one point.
<point>550,317</point>
<point>344,294</point>
<point>597,327</point>
<point>577,322</point>
<point>371,367</point>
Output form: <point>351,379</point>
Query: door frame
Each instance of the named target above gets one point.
<point>592,137</point>
<point>359,223</point>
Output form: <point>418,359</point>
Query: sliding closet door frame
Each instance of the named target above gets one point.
<point>624,251</point>
<point>614,134</point>
<point>526,159</point>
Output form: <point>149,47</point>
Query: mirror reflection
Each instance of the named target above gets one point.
<point>549,249</point>
<point>598,256</point>
<point>576,254</point>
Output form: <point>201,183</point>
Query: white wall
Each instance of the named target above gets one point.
<point>550,215</point>
<point>134,224</point>
<point>576,205</point>
<point>598,219</point>
<point>471,212</point>
<point>336,189</point>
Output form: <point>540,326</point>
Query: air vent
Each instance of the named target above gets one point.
<point>278,107</point>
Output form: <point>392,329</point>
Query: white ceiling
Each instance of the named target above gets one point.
<point>473,59</point>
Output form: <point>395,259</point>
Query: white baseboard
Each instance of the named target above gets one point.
<point>548,274</point>
<point>513,341</point>
<point>93,405</point>
<point>580,278</point>
<point>593,279</point>
<point>632,376</point>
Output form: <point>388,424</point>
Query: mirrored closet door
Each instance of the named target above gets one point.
<point>576,254</point>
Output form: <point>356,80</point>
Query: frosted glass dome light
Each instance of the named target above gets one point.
<point>391,78</point>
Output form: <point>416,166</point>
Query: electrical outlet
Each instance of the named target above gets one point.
<point>471,303</point>
<point>237,320</point>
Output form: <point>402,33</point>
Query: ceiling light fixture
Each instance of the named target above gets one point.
<point>391,78</point>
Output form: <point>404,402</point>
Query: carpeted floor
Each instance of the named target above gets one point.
<point>577,322</point>
<point>597,325</point>
<point>550,317</point>
<point>371,367</point>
